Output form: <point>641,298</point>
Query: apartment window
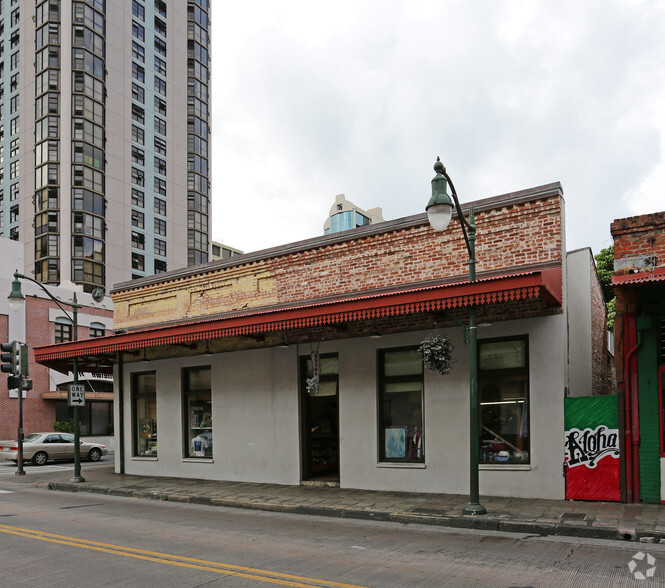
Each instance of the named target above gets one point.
<point>138,72</point>
<point>138,93</point>
<point>503,389</point>
<point>63,330</point>
<point>160,266</point>
<point>160,146</point>
<point>13,170</point>
<point>138,31</point>
<point>13,126</point>
<point>13,148</point>
<point>401,389</point>
<point>160,226</point>
<point>160,86</point>
<point>160,186</point>
<point>97,330</point>
<point>138,177</point>
<point>160,27</point>
<point>138,135</point>
<point>138,114</point>
<point>197,409</point>
<point>138,219</point>
<point>13,214</point>
<point>160,166</point>
<point>138,262</point>
<point>160,106</point>
<point>160,7</point>
<point>160,66</point>
<point>13,104</point>
<point>138,10</point>
<point>138,155</point>
<point>160,47</point>
<point>144,405</point>
<point>160,126</point>
<point>138,51</point>
<point>138,240</point>
<point>137,197</point>
<point>160,206</point>
<point>160,247</point>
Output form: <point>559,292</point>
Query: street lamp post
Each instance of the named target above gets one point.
<point>16,299</point>
<point>439,212</point>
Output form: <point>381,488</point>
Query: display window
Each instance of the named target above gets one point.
<point>144,400</point>
<point>197,398</point>
<point>401,424</point>
<point>503,388</point>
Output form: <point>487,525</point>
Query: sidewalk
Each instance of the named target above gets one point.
<point>601,520</point>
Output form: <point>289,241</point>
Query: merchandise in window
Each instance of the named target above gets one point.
<point>401,388</point>
<point>197,397</point>
<point>144,397</point>
<point>503,389</point>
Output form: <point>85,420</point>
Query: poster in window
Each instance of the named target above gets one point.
<point>145,427</point>
<point>395,442</point>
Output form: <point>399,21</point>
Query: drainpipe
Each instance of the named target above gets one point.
<point>632,434</point>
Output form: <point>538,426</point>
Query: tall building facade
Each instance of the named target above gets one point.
<point>104,134</point>
<point>345,215</point>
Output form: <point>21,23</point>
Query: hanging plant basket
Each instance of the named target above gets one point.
<point>437,352</point>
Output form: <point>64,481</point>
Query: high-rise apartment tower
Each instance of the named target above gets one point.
<point>104,134</point>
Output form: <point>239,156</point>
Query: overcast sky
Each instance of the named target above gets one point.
<point>312,99</point>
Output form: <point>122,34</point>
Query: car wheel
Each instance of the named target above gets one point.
<point>40,458</point>
<point>94,454</point>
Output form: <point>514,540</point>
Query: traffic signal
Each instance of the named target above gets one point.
<point>11,357</point>
<point>24,363</point>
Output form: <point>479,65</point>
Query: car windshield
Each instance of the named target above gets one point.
<point>31,437</point>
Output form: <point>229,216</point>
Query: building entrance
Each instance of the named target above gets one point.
<point>319,409</point>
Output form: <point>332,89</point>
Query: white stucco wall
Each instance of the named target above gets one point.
<point>580,375</point>
<point>256,419</point>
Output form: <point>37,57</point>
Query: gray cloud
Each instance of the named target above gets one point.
<point>314,99</point>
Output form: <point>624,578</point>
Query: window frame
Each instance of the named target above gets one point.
<point>412,442</point>
<point>196,414</point>
<point>485,457</point>
<point>140,426</point>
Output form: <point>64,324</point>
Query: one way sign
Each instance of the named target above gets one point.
<point>76,395</point>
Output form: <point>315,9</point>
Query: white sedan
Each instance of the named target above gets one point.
<point>42,447</point>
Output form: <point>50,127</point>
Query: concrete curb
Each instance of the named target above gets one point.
<point>482,522</point>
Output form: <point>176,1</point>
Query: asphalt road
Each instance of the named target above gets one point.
<point>74,539</point>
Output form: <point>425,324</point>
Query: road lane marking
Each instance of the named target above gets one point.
<point>175,560</point>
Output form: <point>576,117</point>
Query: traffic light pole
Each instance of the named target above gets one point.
<point>19,462</point>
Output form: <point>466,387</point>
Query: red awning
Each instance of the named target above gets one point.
<point>96,354</point>
<point>657,275</point>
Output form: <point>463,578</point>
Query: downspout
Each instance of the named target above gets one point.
<point>632,424</point>
<point>121,414</point>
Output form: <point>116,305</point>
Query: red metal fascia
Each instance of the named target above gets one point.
<point>657,275</point>
<point>544,284</point>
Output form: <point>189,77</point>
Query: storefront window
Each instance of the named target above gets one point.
<point>401,431</point>
<point>144,395</point>
<point>503,385</point>
<point>198,412</point>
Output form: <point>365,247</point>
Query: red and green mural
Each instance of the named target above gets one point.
<point>593,467</point>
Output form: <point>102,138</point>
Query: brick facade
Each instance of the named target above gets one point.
<point>639,236</point>
<point>516,230</point>
<point>38,413</point>
<point>601,365</point>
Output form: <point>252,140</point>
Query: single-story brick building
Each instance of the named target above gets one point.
<point>639,330</point>
<point>300,363</point>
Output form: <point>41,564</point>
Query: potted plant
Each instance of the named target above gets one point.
<point>437,352</point>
